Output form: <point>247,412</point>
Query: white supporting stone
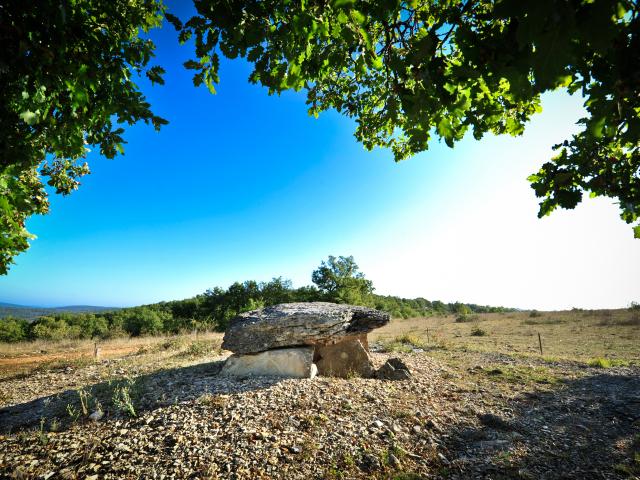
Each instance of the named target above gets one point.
<point>282,362</point>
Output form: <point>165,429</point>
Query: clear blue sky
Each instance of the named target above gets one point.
<point>241,185</point>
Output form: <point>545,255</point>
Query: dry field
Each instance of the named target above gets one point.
<point>482,403</point>
<point>25,357</point>
<point>580,335</point>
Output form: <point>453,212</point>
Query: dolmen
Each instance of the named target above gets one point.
<point>301,340</point>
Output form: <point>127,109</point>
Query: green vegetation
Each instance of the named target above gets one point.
<point>336,280</point>
<point>68,85</point>
<point>478,332</point>
<point>601,362</point>
<point>408,70</point>
<point>405,343</point>
<point>405,71</point>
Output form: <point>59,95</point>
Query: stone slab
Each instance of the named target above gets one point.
<point>344,359</point>
<point>282,362</point>
<point>297,324</point>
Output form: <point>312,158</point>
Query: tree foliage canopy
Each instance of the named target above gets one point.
<point>340,280</point>
<point>408,71</point>
<point>67,73</point>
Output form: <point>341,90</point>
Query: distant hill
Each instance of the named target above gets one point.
<point>31,313</point>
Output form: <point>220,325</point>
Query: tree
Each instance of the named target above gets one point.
<point>67,73</point>
<point>408,71</point>
<point>13,329</point>
<point>405,71</point>
<point>278,290</point>
<point>340,281</point>
<point>145,321</point>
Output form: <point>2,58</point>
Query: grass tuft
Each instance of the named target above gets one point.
<point>405,343</point>
<point>478,332</point>
<point>601,362</point>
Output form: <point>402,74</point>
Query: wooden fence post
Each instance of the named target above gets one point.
<point>540,342</point>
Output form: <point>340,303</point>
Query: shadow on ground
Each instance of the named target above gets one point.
<point>126,397</point>
<point>585,428</point>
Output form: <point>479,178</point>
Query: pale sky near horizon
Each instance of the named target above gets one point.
<point>245,186</point>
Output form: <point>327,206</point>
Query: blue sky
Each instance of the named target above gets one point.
<point>241,185</point>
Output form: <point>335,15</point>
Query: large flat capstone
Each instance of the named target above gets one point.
<point>297,324</point>
<point>282,362</point>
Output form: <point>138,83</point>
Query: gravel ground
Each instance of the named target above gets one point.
<point>462,415</point>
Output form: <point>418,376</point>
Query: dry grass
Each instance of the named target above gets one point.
<point>24,357</point>
<point>571,335</point>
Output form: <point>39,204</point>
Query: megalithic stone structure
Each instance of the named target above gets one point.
<point>337,334</point>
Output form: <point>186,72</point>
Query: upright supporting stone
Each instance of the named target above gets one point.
<point>281,362</point>
<point>344,359</point>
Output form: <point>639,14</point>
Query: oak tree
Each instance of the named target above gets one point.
<point>408,71</point>
<point>67,84</point>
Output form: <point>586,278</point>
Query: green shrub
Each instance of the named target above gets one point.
<point>144,321</point>
<point>465,318</point>
<point>49,328</point>
<point>478,332</point>
<point>13,329</point>
<point>534,314</point>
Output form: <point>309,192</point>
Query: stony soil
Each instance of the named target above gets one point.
<point>462,415</point>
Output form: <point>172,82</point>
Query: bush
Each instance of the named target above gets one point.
<point>478,332</point>
<point>144,321</point>
<point>467,318</point>
<point>534,314</point>
<point>50,328</point>
<point>13,329</point>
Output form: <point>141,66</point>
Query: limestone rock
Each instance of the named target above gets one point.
<point>295,324</point>
<point>282,362</point>
<point>394,369</point>
<point>344,359</point>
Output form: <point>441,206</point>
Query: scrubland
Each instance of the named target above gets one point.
<point>483,402</point>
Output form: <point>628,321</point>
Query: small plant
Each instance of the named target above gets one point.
<point>219,401</point>
<point>42,435</point>
<point>348,460</point>
<point>391,456</point>
<point>601,362</point>
<point>478,332</point>
<point>402,413</point>
<point>73,412</point>
<point>84,401</point>
<point>122,400</point>
<point>55,425</point>
<point>406,343</point>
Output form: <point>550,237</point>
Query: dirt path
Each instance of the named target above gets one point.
<point>28,361</point>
